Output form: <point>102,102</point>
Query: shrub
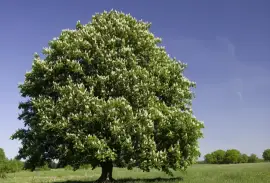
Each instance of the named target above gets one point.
<point>3,170</point>
<point>85,166</point>
<point>14,165</point>
<point>8,166</point>
<point>45,167</point>
<point>68,167</point>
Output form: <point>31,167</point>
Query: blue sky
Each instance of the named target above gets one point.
<point>225,43</point>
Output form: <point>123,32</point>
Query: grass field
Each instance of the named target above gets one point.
<point>200,173</point>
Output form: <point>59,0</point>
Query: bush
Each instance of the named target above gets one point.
<point>45,167</point>
<point>86,166</point>
<point>14,165</point>
<point>3,170</point>
<point>8,166</point>
<point>68,167</point>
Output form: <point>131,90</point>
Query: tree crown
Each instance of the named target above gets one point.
<point>108,92</point>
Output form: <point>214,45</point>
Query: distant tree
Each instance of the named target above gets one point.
<point>232,156</point>
<point>266,155</point>
<point>107,93</point>
<point>253,158</point>
<point>3,163</point>
<point>208,158</point>
<point>8,165</point>
<point>218,156</point>
<point>14,165</point>
<point>244,158</point>
<point>3,157</point>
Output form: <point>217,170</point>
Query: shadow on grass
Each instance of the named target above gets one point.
<point>125,180</point>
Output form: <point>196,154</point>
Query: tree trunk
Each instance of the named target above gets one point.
<point>106,172</point>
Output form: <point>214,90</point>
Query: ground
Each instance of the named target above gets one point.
<point>200,173</point>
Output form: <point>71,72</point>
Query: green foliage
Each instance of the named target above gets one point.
<point>45,167</point>
<point>253,158</point>
<point>208,158</point>
<point>260,160</point>
<point>244,158</point>
<point>14,165</point>
<point>8,166</point>
<point>68,167</point>
<point>3,157</point>
<point>218,156</point>
<point>108,92</point>
<point>266,155</point>
<point>85,166</point>
<point>3,170</point>
<point>232,156</point>
<point>3,164</point>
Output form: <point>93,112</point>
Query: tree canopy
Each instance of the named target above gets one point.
<point>231,156</point>
<point>244,158</point>
<point>253,158</point>
<point>107,93</point>
<point>266,155</point>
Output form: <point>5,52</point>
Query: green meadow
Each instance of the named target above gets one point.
<point>199,173</point>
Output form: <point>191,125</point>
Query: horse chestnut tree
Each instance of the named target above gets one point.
<point>107,94</point>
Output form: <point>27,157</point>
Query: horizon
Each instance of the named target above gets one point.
<point>225,46</point>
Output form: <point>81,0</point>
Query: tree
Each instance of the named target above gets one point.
<point>266,155</point>
<point>2,156</point>
<point>3,163</point>
<point>253,158</point>
<point>208,158</point>
<point>244,158</point>
<point>107,93</point>
<point>232,156</point>
<point>218,156</point>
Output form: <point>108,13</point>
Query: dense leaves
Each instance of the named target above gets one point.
<point>107,92</point>
<point>253,158</point>
<point>231,156</point>
<point>8,165</point>
<point>266,155</point>
<point>244,158</point>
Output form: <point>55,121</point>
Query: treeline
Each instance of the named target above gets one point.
<point>15,165</point>
<point>234,156</point>
<point>9,165</point>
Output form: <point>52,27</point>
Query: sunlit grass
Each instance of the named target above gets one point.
<point>239,173</point>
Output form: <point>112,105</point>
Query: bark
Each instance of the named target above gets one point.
<point>106,172</point>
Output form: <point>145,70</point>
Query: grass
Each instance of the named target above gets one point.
<point>200,173</point>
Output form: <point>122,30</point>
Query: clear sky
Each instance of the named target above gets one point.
<point>225,43</point>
